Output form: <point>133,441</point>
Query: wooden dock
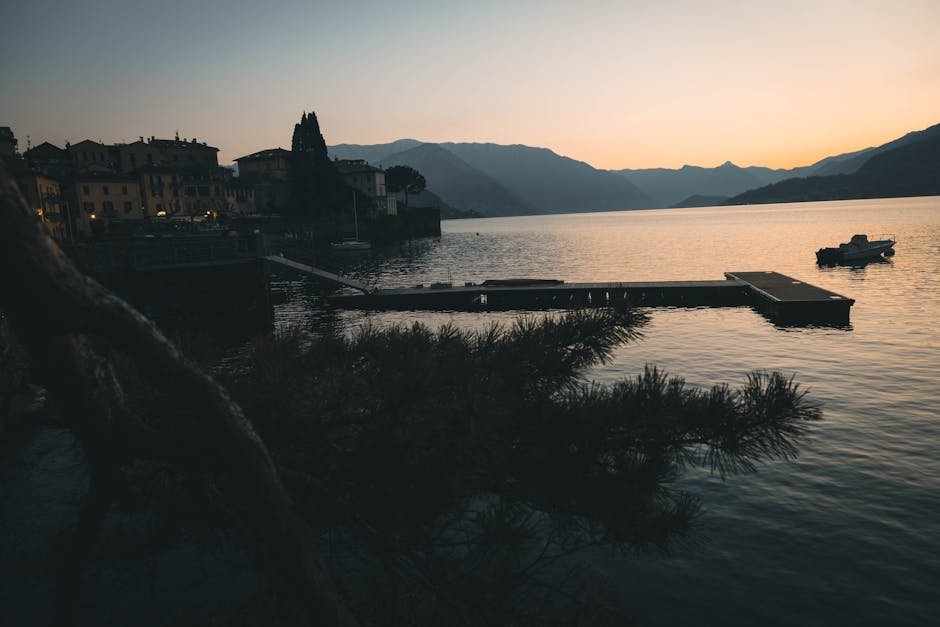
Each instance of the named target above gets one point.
<point>783,299</point>
<point>792,301</point>
<point>326,275</point>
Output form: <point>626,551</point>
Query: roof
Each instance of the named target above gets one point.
<point>46,149</point>
<point>269,153</point>
<point>86,142</point>
<point>179,144</point>
<point>354,166</point>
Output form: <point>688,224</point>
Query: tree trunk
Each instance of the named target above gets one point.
<point>46,297</point>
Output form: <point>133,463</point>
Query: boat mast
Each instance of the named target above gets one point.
<point>355,215</point>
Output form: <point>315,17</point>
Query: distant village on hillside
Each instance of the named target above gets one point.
<point>88,188</point>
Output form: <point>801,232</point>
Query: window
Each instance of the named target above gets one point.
<point>85,190</point>
<point>104,190</point>
<point>124,189</point>
<point>128,206</point>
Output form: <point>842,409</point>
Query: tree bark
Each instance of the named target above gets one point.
<point>46,297</point>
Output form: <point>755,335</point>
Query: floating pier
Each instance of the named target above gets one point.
<point>781,298</point>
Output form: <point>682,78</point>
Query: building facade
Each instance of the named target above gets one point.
<point>369,180</point>
<point>106,196</point>
<point>271,164</point>
<point>43,194</point>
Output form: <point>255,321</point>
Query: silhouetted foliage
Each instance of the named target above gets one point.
<point>462,466</point>
<point>317,187</point>
<point>401,178</point>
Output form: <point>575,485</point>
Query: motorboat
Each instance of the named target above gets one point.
<point>859,248</point>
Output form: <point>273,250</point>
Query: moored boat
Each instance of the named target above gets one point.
<point>859,248</point>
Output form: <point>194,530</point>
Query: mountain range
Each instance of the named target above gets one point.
<point>908,169</point>
<point>500,180</point>
<point>496,180</point>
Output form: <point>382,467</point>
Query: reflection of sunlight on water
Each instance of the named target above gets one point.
<point>845,532</point>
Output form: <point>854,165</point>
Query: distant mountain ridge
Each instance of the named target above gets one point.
<point>910,168</point>
<point>670,187</point>
<point>495,179</point>
<point>459,184</point>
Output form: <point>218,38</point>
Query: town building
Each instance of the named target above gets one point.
<point>88,152</point>
<point>369,180</point>
<point>270,164</point>
<point>268,173</point>
<point>43,194</point>
<point>104,195</point>
<point>50,160</point>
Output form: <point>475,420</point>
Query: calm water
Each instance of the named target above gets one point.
<point>848,533</point>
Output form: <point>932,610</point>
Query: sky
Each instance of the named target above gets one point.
<point>617,84</point>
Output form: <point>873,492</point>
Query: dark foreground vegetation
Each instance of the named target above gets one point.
<point>399,476</point>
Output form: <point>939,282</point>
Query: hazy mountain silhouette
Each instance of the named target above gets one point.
<point>550,182</point>
<point>851,162</point>
<point>911,169</point>
<point>372,153</point>
<point>505,180</point>
<point>669,187</point>
<point>698,200</point>
<point>460,185</point>
<point>521,179</point>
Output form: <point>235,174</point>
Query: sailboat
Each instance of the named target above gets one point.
<point>348,244</point>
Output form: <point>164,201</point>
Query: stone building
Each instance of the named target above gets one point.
<point>369,180</point>
<point>106,195</point>
<point>43,194</point>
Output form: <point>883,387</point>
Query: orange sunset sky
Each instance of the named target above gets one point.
<point>616,84</point>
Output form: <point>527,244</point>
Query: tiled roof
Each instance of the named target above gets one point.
<point>270,153</point>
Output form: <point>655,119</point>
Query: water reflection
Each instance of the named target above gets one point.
<point>858,264</point>
<point>862,499</point>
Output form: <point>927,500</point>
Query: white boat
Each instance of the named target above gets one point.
<point>859,248</point>
<point>351,244</point>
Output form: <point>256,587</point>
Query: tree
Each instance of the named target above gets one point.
<point>316,186</point>
<point>402,178</point>
<point>463,466</point>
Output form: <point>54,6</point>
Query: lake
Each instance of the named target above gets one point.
<point>849,533</point>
